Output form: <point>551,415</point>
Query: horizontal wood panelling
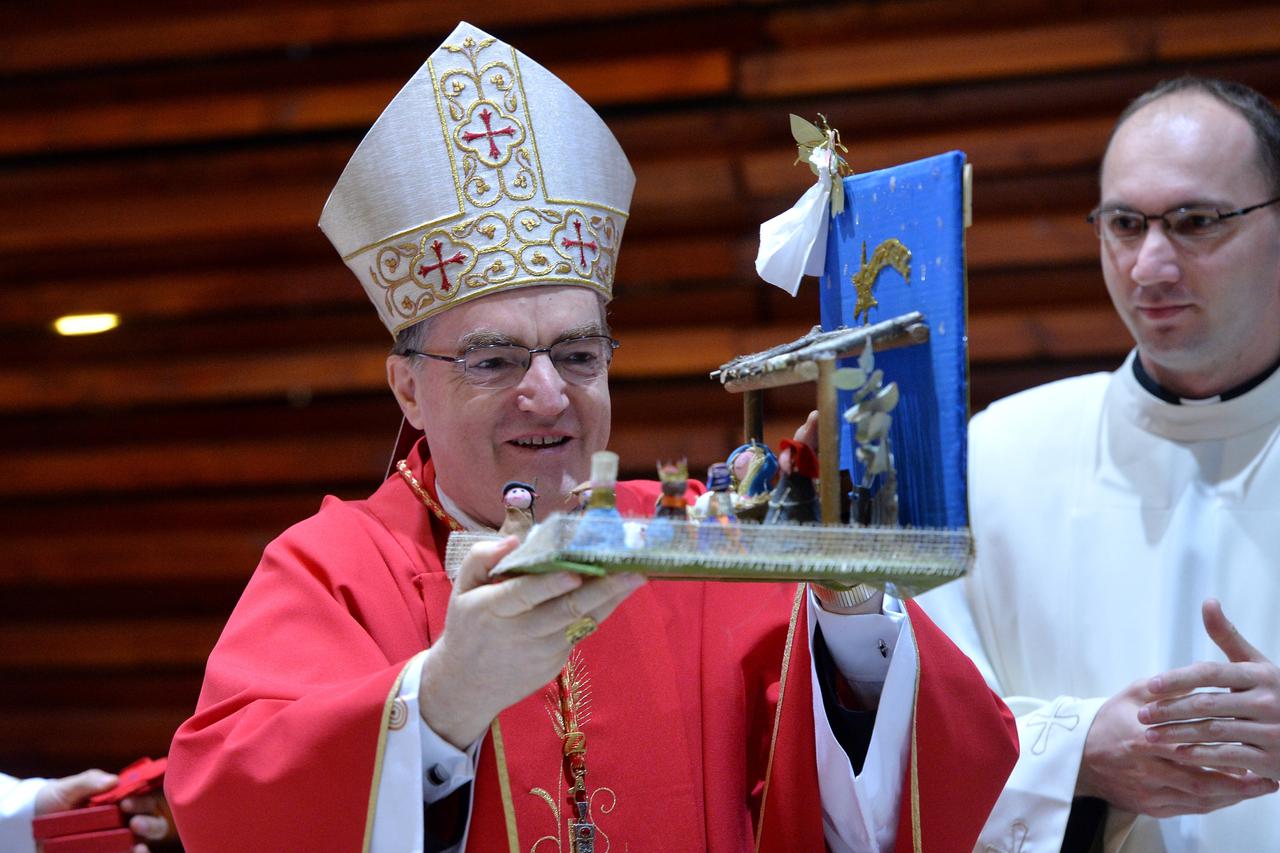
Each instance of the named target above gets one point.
<point>67,40</point>
<point>646,354</point>
<point>869,62</point>
<point>107,644</point>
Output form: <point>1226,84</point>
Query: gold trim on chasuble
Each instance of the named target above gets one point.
<point>547,241</point>
<point>917,844</point>
<point>801,591</point>
<point>391,713</point>
<point>504,787</point>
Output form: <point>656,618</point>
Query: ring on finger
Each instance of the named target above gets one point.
<point>580,629</point>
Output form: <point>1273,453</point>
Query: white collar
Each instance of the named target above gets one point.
<point>467,522</point>
<point>1257,408</point>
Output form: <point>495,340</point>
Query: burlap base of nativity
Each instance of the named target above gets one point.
<point>913,560</point>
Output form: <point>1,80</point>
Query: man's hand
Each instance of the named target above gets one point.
<point>72,792</point>
<point>1124,767</point>
<point>806,433</point>
<point>504,640</point>
<point>1235,728</point>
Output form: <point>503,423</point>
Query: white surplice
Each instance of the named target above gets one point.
<point>1103,517</point>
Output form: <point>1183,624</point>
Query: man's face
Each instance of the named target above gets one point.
<point>543,430</point>
<point>1204,313</point>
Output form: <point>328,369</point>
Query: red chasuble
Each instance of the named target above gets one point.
<point>699,728</point>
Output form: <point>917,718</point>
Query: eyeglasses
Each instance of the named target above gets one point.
<point>1182,223</point>
<point>577,360</point>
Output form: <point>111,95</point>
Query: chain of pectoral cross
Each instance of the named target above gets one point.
<point>582,831</point>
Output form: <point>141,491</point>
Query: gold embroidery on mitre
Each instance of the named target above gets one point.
<point>489,139</point>
<point>438,256</point>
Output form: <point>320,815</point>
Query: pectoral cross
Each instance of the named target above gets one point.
<point>582,832</point>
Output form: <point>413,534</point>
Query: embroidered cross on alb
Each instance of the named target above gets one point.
<point>489,133</point>
<point>579,243</point>
<point>1046,725</point>
<point>440,264</point>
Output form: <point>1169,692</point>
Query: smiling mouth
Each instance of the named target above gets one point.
<point>1157,312</point>
<point>538,442</point>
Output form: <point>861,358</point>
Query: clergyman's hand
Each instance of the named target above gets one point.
<point>1124,767</point>
<point>504,640</point>
<point>1235,726</point>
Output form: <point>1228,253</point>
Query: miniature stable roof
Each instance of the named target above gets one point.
<point>797,361</point>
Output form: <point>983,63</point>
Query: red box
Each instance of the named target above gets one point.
<point>105,841</point>
<point>76,821</point>
<point>141,777</point>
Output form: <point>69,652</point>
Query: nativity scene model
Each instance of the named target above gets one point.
<point>882,502</point>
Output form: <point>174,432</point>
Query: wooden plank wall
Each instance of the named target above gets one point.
<point>169,161</point>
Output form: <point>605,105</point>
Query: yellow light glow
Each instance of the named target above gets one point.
<point>85,324</point>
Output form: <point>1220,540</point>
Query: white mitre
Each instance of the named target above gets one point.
<point>484,173</point>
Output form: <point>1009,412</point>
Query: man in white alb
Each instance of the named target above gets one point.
<point>1128,524</point>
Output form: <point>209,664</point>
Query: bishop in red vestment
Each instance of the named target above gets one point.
<point>360,699</point>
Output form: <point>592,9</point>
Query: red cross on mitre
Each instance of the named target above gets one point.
<point>489,134</point>
<point>577,243</point>
<point>440,263</point>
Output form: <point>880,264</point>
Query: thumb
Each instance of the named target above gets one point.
<point>1225,635</point>
<point>807,433</point>
<point>476,566</point>
<point>70,792</point>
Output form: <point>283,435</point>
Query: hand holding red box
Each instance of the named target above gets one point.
<point>101,826</point>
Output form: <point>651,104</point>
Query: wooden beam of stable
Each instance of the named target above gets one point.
<point>879,61</point>
<point>85,41</point>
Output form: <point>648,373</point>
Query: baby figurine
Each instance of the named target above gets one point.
<point>752,468</point>
<point>518,498</point>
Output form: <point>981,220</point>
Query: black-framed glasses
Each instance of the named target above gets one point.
<point>1195,222</point>
<point>577,360</point>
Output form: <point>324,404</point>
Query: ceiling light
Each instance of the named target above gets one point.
<point>85,324</point>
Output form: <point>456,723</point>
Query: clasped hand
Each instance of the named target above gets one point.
<point>503,640</point>
<point>1191,740</point>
